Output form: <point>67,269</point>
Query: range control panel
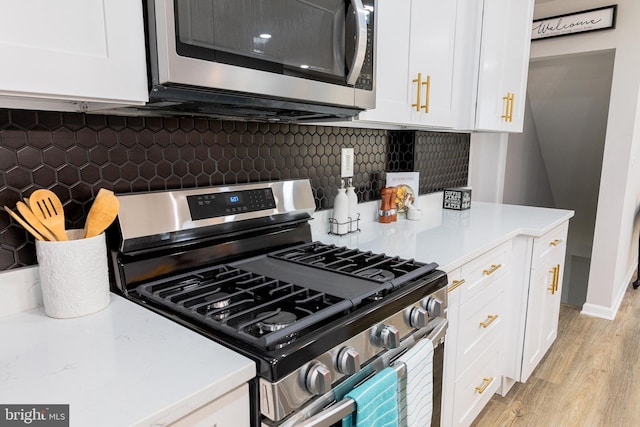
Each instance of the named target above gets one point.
<point>213,205</point>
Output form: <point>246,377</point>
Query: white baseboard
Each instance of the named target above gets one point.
<point>609,313</point>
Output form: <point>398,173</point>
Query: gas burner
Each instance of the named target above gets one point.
<point>377,274</point>
<point>221,315</point>
<point>279,320</point>
<point>220,300</point>
<point>377,296</point>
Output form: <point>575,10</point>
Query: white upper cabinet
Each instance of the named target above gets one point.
<point>415,64</point>
<point>431,62</point>
<point>72,54</point>
<point>459,65</point>
<point>504,65</point>
<point>392,63</point>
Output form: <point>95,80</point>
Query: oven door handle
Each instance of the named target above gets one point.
<point>346,406</point>
<point>438,332</point>
<point>341,409</point>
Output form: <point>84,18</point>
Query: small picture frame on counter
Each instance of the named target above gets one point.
<point>458,199</point>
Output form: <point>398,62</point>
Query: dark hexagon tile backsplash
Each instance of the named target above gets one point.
<point>76,154</point>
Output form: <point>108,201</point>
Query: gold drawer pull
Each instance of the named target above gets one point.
<point>556,242</point>
<point>492,270</point>
<point>485,384</point>
<point>455,284</point>
<point>490,319</point>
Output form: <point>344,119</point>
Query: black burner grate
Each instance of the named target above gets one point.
<point>367,265</point>
<point>258,309</point>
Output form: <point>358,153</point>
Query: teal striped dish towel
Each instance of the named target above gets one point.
<point>376,401</point>
<point>415,388</point>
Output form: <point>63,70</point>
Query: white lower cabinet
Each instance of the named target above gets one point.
<point>545,289</point>
<point>503,313</point>
<point>231,409</point>
<point>476,335</point>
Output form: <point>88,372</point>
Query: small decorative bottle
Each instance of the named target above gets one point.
<point>340,212</point>
<point>353,206</point>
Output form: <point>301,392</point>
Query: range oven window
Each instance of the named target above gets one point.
<point>304,38</point>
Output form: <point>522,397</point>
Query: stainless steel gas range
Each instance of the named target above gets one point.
<point>238,265</point>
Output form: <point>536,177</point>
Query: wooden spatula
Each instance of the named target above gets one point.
<point>46,206</point>
<point>102,213</point>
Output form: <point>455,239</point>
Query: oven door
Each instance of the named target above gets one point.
<point>312,50</point>
<point>326,412</point>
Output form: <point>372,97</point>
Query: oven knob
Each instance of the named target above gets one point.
<point>348,362</point>
<point>418,318</point>
<point>318,379</point>
<point>387,337</point>
<point>433,306</point>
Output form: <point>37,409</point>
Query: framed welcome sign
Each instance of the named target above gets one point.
<point>602,18</point>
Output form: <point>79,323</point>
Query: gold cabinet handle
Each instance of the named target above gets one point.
<point>419,84</point>
<point>490,319</point>
<point>554,284</point>
<point>557,277</point>
<point>511,107</point>
<point>505,116</point>
<point>485,383</point>
<point>427,83</point>
<point>508,107</point>
<point>492,270</point>
<point>455,284</point>
<point>556,242</point>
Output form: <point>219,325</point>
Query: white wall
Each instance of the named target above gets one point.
<point>487,159</point>
<point>614,252</point>
<point>569,97</point>
<point>526,179</point>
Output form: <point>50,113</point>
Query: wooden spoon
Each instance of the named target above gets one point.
<point>24,224</point>
<point>102,213</point>
<point>28,216</point>
<point>46,206</point>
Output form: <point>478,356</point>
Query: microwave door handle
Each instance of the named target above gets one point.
<point>361,42</point>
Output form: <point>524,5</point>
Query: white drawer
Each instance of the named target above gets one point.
<point>480,324</point>
<point>479,273</point>
<point>474,389</point>
<point>549,244</point>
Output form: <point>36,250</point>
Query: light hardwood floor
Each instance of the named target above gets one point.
<point>589,377</point>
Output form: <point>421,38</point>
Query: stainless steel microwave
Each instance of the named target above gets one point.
<point>262,59</point>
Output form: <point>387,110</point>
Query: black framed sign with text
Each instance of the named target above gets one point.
<point>602,18</point>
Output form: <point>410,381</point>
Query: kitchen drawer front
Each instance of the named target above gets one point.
<point>231,409</point>
<point>552,242</point>
<point>481,323</point>
<point>474,389</point>
<point>479,273</point>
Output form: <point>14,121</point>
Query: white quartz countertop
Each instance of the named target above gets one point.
<point>447,237</point>
<point>122,366</point>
